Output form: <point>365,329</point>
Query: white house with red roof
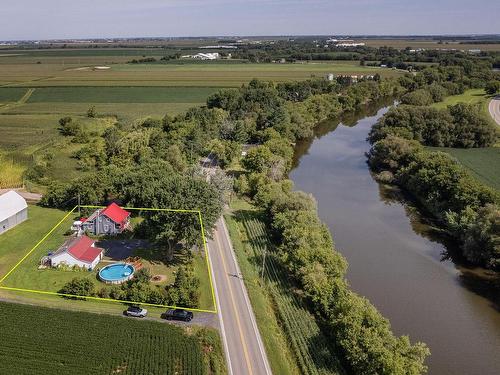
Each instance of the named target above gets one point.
<point>110,220</point>
<point>77,251</point>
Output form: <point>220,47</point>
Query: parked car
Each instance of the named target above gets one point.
<point>178,314</point>
<point>136,311</point>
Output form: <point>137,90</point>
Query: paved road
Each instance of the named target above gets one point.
<point>242,342</point>
<point>494,108</point>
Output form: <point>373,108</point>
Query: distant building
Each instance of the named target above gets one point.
<point>77,251</point>
<point>109,221</point>
<point>203,56</point>
<point>13,210</point>
<point>349,44</point>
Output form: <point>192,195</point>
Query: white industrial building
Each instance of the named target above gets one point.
<point>13,210</point>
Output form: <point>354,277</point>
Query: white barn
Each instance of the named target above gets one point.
<point>13,210</point>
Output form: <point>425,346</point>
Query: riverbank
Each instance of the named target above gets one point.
<point>396,259</point>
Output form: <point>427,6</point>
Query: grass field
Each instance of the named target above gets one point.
<point>19,240</point>
<point>473,96</point>
<point>17,243</point>
<point>26,138</point>
<point>297,335</point>
<point>47,341</point>
<point>483,163</point>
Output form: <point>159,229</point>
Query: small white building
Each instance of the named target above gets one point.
<point>13,210</point>
<point>77,251</point>
<point>203,56</point>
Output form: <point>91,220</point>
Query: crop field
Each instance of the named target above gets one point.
<point>121,94</point>
<point>77,72</point>
<point>127,112</point>
<point>312,351</point>
<point>483,163</point>
<point>47,341</point>
<point>429,44</point>
<point>11,94</point>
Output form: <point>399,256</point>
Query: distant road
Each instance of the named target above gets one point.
<point>494,108</point>
<point>242,342</point>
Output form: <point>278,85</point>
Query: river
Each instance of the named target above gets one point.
<point>398,261</point>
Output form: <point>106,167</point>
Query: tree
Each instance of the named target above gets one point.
<point>79,286</point>
<point>258,159</point>
<point>91,112</point>
<point>492,87</point>
<point>418,97</point>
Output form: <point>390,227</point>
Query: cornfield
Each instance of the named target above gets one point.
<point>11,175</point>
<point>314,353</point>
<point>37,340</point>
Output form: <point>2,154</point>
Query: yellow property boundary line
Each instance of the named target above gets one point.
<point>111,299</point>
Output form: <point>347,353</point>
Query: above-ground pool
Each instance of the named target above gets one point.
<point>116,273</point>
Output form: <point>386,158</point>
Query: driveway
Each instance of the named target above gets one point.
<point>118,250</point>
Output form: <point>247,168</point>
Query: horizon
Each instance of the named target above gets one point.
<point>56,19</point>
<point>359,36</point>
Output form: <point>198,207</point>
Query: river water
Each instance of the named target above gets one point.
<point>402,264</point>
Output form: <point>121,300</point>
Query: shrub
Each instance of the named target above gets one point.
<point>91,112</point>
<point>68,127</point>
<point>185,290</point>
<point>79,286</point>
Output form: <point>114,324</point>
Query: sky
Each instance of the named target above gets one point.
<point>52,19</point>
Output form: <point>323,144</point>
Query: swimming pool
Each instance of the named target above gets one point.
<point>116,273</point>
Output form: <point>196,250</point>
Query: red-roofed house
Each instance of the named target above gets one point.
<point>77,251</point>
<point>110,220</point>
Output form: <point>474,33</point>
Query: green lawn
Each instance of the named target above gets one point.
<point>15,243</point>
<point>37,340</point>
<point>483,163</point>
<point>291,335</point>
<point>472,96</point>
<point>121,94</point>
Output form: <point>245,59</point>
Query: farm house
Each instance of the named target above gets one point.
<point>77,251</point>
<point>13,210</point>
<point>111,220</point>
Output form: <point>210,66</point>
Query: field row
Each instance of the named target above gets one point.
<point>46,341</point>
<point>109,94</point>
<point>312,350</point>
<point>190,74</point>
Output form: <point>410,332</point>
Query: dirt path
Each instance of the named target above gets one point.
<point>21,101</point>
<point>30,197</point>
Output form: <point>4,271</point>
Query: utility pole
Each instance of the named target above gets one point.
<point>79,212</point>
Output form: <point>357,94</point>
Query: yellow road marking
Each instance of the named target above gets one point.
<point>245,349</point>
